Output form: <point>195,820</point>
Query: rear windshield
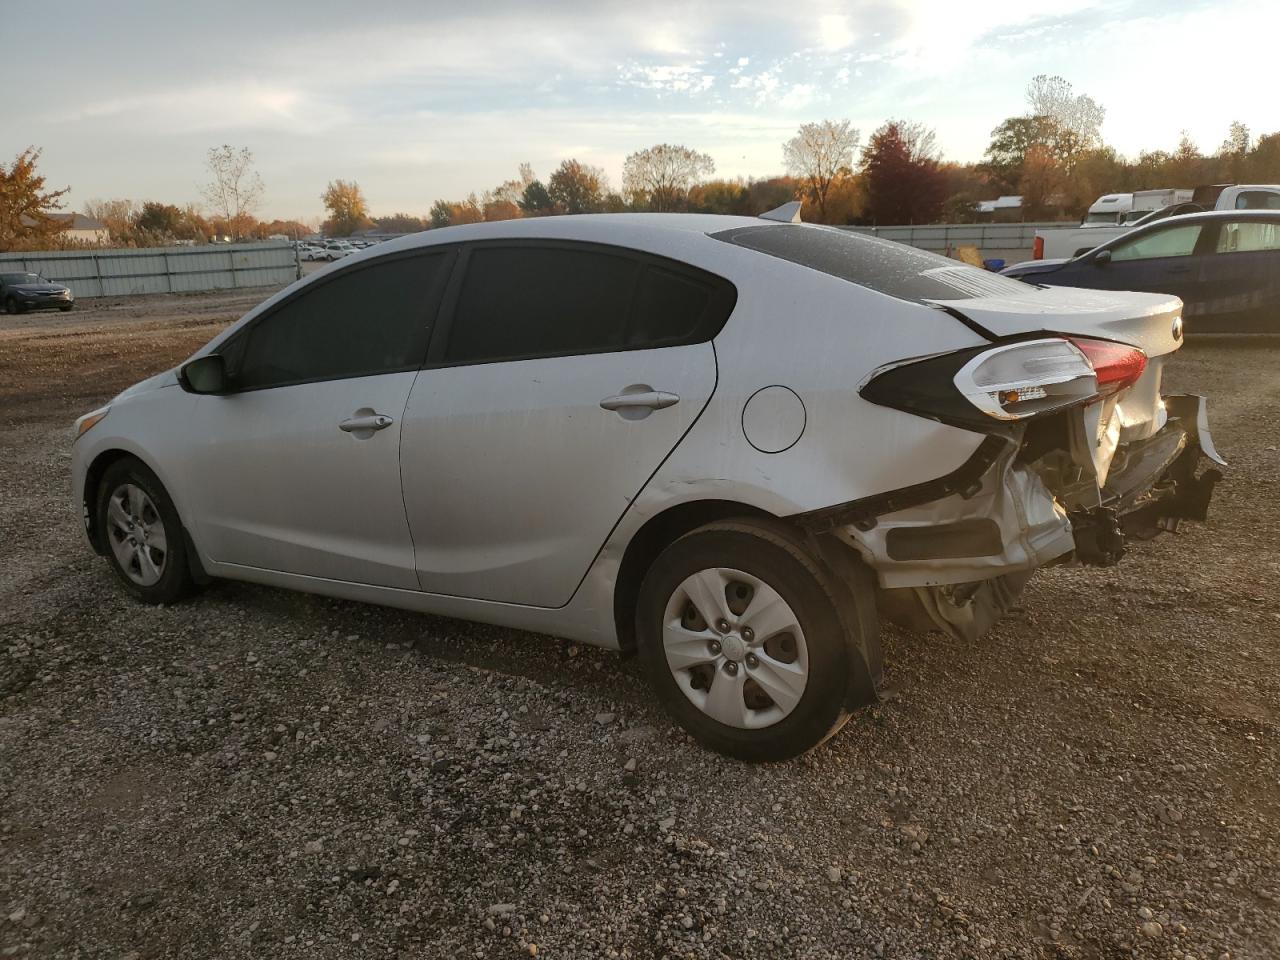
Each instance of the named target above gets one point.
<point>882,265</point>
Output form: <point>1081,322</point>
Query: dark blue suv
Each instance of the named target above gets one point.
<point>1225,265</point>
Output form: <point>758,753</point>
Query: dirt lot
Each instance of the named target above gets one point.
<point>256,773</point>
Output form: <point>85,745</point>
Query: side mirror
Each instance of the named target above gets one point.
<point>1102,259</point>
<point>206,374</point>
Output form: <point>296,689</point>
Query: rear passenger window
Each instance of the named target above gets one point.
<point>532,301</point>
<point>1249,237</point>
<point>370,320</point>
<point>559,300</point>
<point>668,307</point>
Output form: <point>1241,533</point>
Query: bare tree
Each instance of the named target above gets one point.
<point>818,154</point>
<point>235,189</point>
<point>1077,116</point>
<point>662,174</point>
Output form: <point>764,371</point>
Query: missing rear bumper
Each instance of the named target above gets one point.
<point>999,514</point>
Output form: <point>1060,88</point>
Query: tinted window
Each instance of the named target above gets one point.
<point>373,319</point>
<point>545,301</point>
<point>1258,200</point>
<point>892,268</point>
<point>668,307</point>
<point>1249,236</point>
<point>1169,242</point>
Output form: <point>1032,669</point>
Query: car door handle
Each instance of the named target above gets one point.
<point>650,400</point>
<point>369,423</point>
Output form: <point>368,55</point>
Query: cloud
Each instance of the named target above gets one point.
<point>420,99</point>
<point>834,32</point>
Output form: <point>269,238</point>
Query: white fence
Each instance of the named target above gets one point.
<point>120,272</point>
<point>1010,242</point>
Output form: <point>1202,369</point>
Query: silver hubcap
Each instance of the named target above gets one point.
<point>137,534</point>
<point>735,648</point>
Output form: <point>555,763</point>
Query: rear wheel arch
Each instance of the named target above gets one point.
<point>656,534</point>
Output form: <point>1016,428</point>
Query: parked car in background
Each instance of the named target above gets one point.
<point>1060,243</point>
<point>337,249</point>
<point>1224,265</point>
<point>597,427</point>
<point>313,253</point>
<point>22,291</point>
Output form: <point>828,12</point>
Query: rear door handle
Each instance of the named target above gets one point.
<point>365,424</point>
<point>648,400</point>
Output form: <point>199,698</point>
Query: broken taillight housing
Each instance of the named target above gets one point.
<point>1008,382</point>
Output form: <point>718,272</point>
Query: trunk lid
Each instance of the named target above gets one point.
<point>1145,320</point>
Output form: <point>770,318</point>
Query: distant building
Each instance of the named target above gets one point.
<point>82,228</point>
<point>1000,210</point>
<point>76,226</point>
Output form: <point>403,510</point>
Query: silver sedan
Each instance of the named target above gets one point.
<point>729,445</point>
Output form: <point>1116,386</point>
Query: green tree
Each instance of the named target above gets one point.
<point>535,201</point>
<point>1263,162</point>
<point>400,223</point>
<point>26,208</point>
<point>1007,152</point>
<point>163,219</point>
<point>439,215</point>
<point>577,188</point>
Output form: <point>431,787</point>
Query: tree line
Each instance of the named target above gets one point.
<point>1052,155</point>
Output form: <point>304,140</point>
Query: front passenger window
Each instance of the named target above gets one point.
<point>371,320</point>
<point>1170,242</point>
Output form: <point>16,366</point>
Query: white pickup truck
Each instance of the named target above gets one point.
<point>1100,227</point>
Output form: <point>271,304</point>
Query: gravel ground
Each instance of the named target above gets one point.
<point>258,773</point>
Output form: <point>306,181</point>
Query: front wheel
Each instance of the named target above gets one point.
<point>741,636</point>
<point>144,537</point>
<point>11,306</point>
<point>66,308</point>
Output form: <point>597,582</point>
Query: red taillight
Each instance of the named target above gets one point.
<point>1037,249</point>
<point>1116,365</point>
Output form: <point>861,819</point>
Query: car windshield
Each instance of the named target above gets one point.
<point>21,278</point>
<point>881,265</point>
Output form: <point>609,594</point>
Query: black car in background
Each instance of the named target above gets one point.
<point>30,291</point>
<point>1225,265</point>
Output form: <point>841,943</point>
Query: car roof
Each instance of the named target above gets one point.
<point>622,229</point>
<point>1211,215</point>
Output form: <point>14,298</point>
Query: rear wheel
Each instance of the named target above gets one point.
<point>11,306</point>
<point>741,637</point>
<point>145,542</point>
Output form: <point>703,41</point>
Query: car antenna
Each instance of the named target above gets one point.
<point>787,213</point>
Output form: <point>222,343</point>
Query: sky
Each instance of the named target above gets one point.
<point>418,100</point>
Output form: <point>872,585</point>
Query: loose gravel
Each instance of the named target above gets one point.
<point>256,773</point>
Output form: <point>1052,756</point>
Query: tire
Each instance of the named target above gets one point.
<point>130,492</point>
<point>11,306</point>
<point>66,309</point>
<point>766,719</point>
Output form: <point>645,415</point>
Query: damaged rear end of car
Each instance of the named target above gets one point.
<point>1081,453</point>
